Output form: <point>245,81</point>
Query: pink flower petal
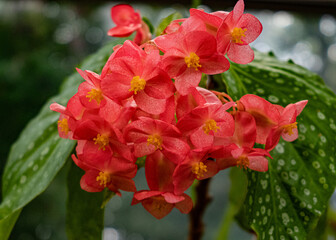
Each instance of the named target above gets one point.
<point>183,177</point>
<point>186,205</point>
<point>141,195</point>
<point>238,10</point>
<point>215,64</point>
<point>300,106</point>
<point>174,148</point>
<point>223,38</point>
<point>258,163</point>
<point>187,81</point>
<point>200,139</point>
<point>89,183</point>
<point>159,172</point>
<point>149,104</point>
<point>241,54</point>
<point>252,25</point>
<point>201,43</point>
<point>124,14</point>
<point>143,149</point>
<point>245,130</point>
<point>123,31</point>
<point>110,111</point>
<point>172,198</point>
<point>122,183</point>
<point>273,138</point>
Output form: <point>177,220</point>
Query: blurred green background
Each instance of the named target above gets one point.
<point>42,42</point>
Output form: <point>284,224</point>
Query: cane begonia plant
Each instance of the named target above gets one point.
<point>182,107</point>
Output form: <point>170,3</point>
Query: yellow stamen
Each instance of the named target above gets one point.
<point>102,141</point>
<point>193,61</point>
<point>63,125</point>
<point>137,84</point>
<point>95,94</point>
<point>103,178</point>
<point>237,34</point>
<point>199,169</point>
<point>289,128</point>
<point>243,162</point>
<point>156,140</point>
<point>210,125</point>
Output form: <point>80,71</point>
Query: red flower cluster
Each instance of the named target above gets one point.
<point>133,109</point>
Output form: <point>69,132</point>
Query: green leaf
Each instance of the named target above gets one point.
<point>287,201</point>
<point>34,160</point>
<point>149,24</point>
<point>85,217</point>
<point>7,224</point>
<point>107,197</point>
<point>39,153</point>
<point>195,3</point>
<point>320,232</point>
<point>166,21</point>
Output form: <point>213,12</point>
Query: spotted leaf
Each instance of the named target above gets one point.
<point>287,201</point>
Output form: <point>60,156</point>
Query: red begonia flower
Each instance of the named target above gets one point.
<point>161,199</point>
<point>235,34</point>
<point>69,116</point>
<point>287,125</point>
<point>92,97</point>
<point>232,155</point>
<point>194,54</point>
<point>103,135</point>
<point>159,204</point>
<point>138,74</point>
<point>150,135</point>
<point>266,114</point>
<point>128,21</point>
<point>195,166</point>
<point>204,123</point>
<point>113,173</point>
<point>238,149</point>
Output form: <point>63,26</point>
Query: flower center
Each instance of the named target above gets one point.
<point>288,128</point>
<point>137,84</point>
<point>101,140</point>
<point>237,34</point>
<point>63,125</point>
<point>199,169</point>
<point>156,140</point>
<point>95,94</point>
<point>103,178</point>
<point>243,162</point>
<point>210,125</point>
<point>158,203</point>
<point>193,61</point>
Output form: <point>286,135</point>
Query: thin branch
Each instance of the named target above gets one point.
<point>196,227</point>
